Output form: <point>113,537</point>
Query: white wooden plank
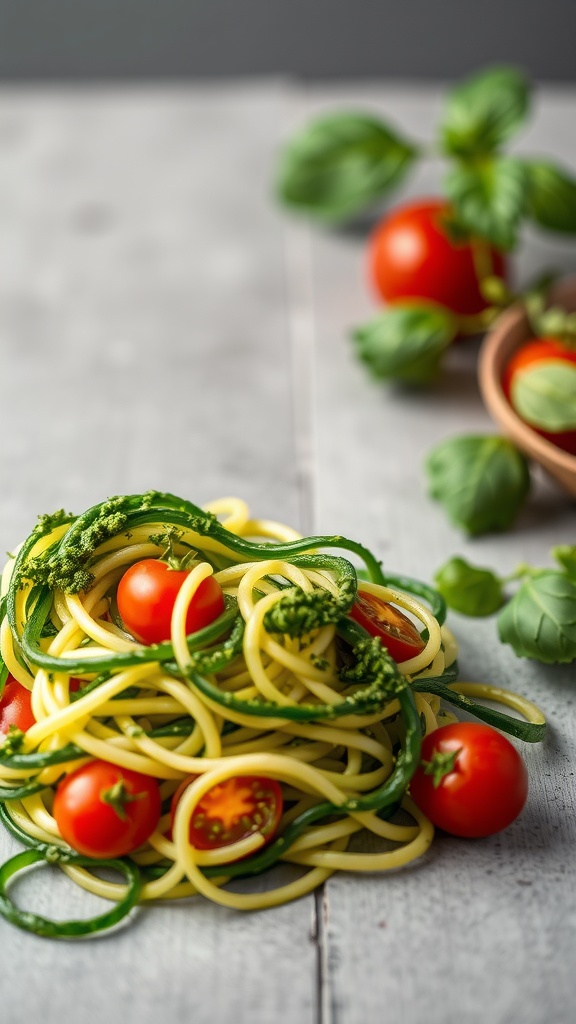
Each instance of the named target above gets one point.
<point>145,343</point>
<point>141,258</point>
<point>479,930</point>
<point>143,296</point>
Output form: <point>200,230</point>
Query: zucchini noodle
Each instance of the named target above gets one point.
<point>284,685</point>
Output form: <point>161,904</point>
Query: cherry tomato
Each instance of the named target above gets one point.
<point>411,256</point>
<point>15,707</point>
<point>146,596</point>
<point>379,618</point>
<point>233,810</point>
<point>481,782</point>
<point>539,351</point>
<point>105,811</point>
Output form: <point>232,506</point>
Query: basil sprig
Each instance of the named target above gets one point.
<point>490,197</point>
<point>341,164</point>
<point>484,111</point>
<point>551,196</point>
<point>469,589</point>
<point>565,555</point>
<point>481,481</point>
<point>544,395</point>
<point>538,620</point>
<point>406,341</point>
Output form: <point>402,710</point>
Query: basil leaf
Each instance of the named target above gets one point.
<point>551,197</point>
<point>340,164</point>
<point>545,395</point>
<point>405,342</point>
<point>468,589</point>
<point>484,111</point>
<point>490,198</point>
<point>481,481</point>
<point>540,620</point>
<point>550,321</point>
<point>565,554</point>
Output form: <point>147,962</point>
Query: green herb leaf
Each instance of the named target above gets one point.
<point>490,198</point>
<point>484,111</point>
<point>481,481</point>
<point>550,321</point>
<point>551,196</point>
<point>340,164</point>
<point>565,554</point>
<point>468,589</point>
<point>405,342</point>
<point>540,620</point>
<point>544,395</point>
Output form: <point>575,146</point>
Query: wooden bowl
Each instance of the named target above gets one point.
<point>509,332</point>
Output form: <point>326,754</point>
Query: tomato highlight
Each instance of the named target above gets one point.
<point>412,256</point>
<point>233,810</point>
<point>105,811</point>
<point>471,781</point>
<point>146,596</point>
<point>381,619</point>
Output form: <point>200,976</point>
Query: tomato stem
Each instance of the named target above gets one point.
<point>180,563</point>
<point>118,796</point>
<point>12,742</point>
<point>440,765</point>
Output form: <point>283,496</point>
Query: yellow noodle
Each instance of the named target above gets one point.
<point>122,720</point>
<point>373,861</point>
<point>525,707</point>
<point>9,658</point>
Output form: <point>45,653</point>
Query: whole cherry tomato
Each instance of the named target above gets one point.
<point>471,780</point>
<point>411,256</point>
<point>146,596</point>
<point>15,707</point>
<point>379,618</point>
<point>233,810</point>
<point>105,811</point>
<point>538,353</point>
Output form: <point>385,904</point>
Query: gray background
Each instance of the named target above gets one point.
<point>96,39</point>
<point>164,324</point>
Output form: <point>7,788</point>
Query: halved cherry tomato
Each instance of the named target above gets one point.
<point>411,256</point>
<point>104,811</point>
<point>233,810</point>
<point>380,618</point>
<point>146,595</point>
<point>15,707</point>
<point>471,781</point>
<point>540,351</point>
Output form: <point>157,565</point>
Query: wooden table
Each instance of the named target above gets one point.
<point>164,324</point>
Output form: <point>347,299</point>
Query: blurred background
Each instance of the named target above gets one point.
<point>140,230</point>
<point>99,39</point>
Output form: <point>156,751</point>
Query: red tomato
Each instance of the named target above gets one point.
<point>485,784</point>
<point>379,618</point>
<point>534,352</point>
<point>146,596</point>
<point>233,810</point>
<point>411,256</point>
<point>15,707</point>
<point>105,811</point>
